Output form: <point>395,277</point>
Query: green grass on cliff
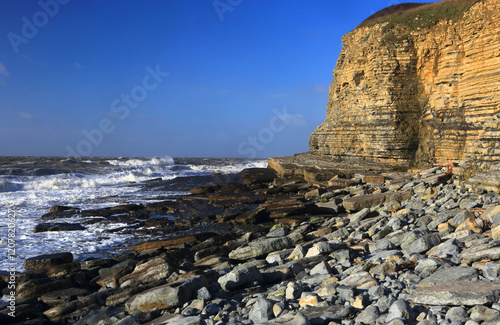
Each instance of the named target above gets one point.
<point>420,17</point>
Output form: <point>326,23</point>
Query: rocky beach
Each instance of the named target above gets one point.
<point>392,217</point>
<point>367,248</point>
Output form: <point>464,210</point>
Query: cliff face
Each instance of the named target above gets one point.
<point>415,97</point>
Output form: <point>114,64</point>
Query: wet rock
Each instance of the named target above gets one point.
<point>60,208</point>
<point>58,226</point>
<point>163,206</point>
<point>253,176</point>
<point>42,261</point>
<point>127,207</point>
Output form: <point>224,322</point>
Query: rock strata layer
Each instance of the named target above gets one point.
<point>416,97</point>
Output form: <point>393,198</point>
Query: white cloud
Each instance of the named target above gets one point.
<point>3,70</point>
<point>24,115</point>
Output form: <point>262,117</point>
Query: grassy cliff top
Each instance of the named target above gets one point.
<point>417,15</point>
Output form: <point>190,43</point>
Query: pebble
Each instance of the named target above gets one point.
<point>416,260</point>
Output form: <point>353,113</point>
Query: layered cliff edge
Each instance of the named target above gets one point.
<point>415,96</point>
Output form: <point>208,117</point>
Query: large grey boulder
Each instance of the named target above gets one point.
<point>239,278</point>
<point>166,296</point>
<point>457,273</point>
<point>456,293</point>
<point>260,248</point>
<point>261,312</point>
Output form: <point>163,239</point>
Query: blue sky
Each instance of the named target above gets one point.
<point>224,78</point>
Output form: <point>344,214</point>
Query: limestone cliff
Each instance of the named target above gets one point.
<point>415,96</point>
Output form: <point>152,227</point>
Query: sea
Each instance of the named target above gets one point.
<point>30,186</point>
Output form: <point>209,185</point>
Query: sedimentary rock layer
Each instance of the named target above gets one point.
<point>417,96</point>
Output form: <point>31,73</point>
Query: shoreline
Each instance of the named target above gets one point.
<point>284,250</point>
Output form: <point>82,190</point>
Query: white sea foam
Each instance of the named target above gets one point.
<point>156,161</point>
<point>105,185</point>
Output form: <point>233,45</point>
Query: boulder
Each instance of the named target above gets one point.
<point>456,293</point>
<point>239,278</point>
<point>149,271</point>
<point>260,248</point>
<point>58,226</point>
<point>367,201</point>
<point>456,273</point>
<point>325,314</point>
<point>60,208</point>
<point>166,296</point>
<point>109,277</point>
<point>252,176</point>
<point>261,311</point>
<point>42,261</point>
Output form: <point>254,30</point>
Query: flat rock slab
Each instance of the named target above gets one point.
<point>322,315</point>
<point>298,164</point>
<point>371,200</point>
<point>251,176</point>
<point>38,262</point>
<point>58,226</point>
<point>457,273</point>
<point>170,243</point>
<point>157,244</point>
<point>456,293</point>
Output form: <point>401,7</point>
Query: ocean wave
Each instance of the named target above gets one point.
<point>136,162</point>
<point>10,187</point>
<point>94,183</point>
